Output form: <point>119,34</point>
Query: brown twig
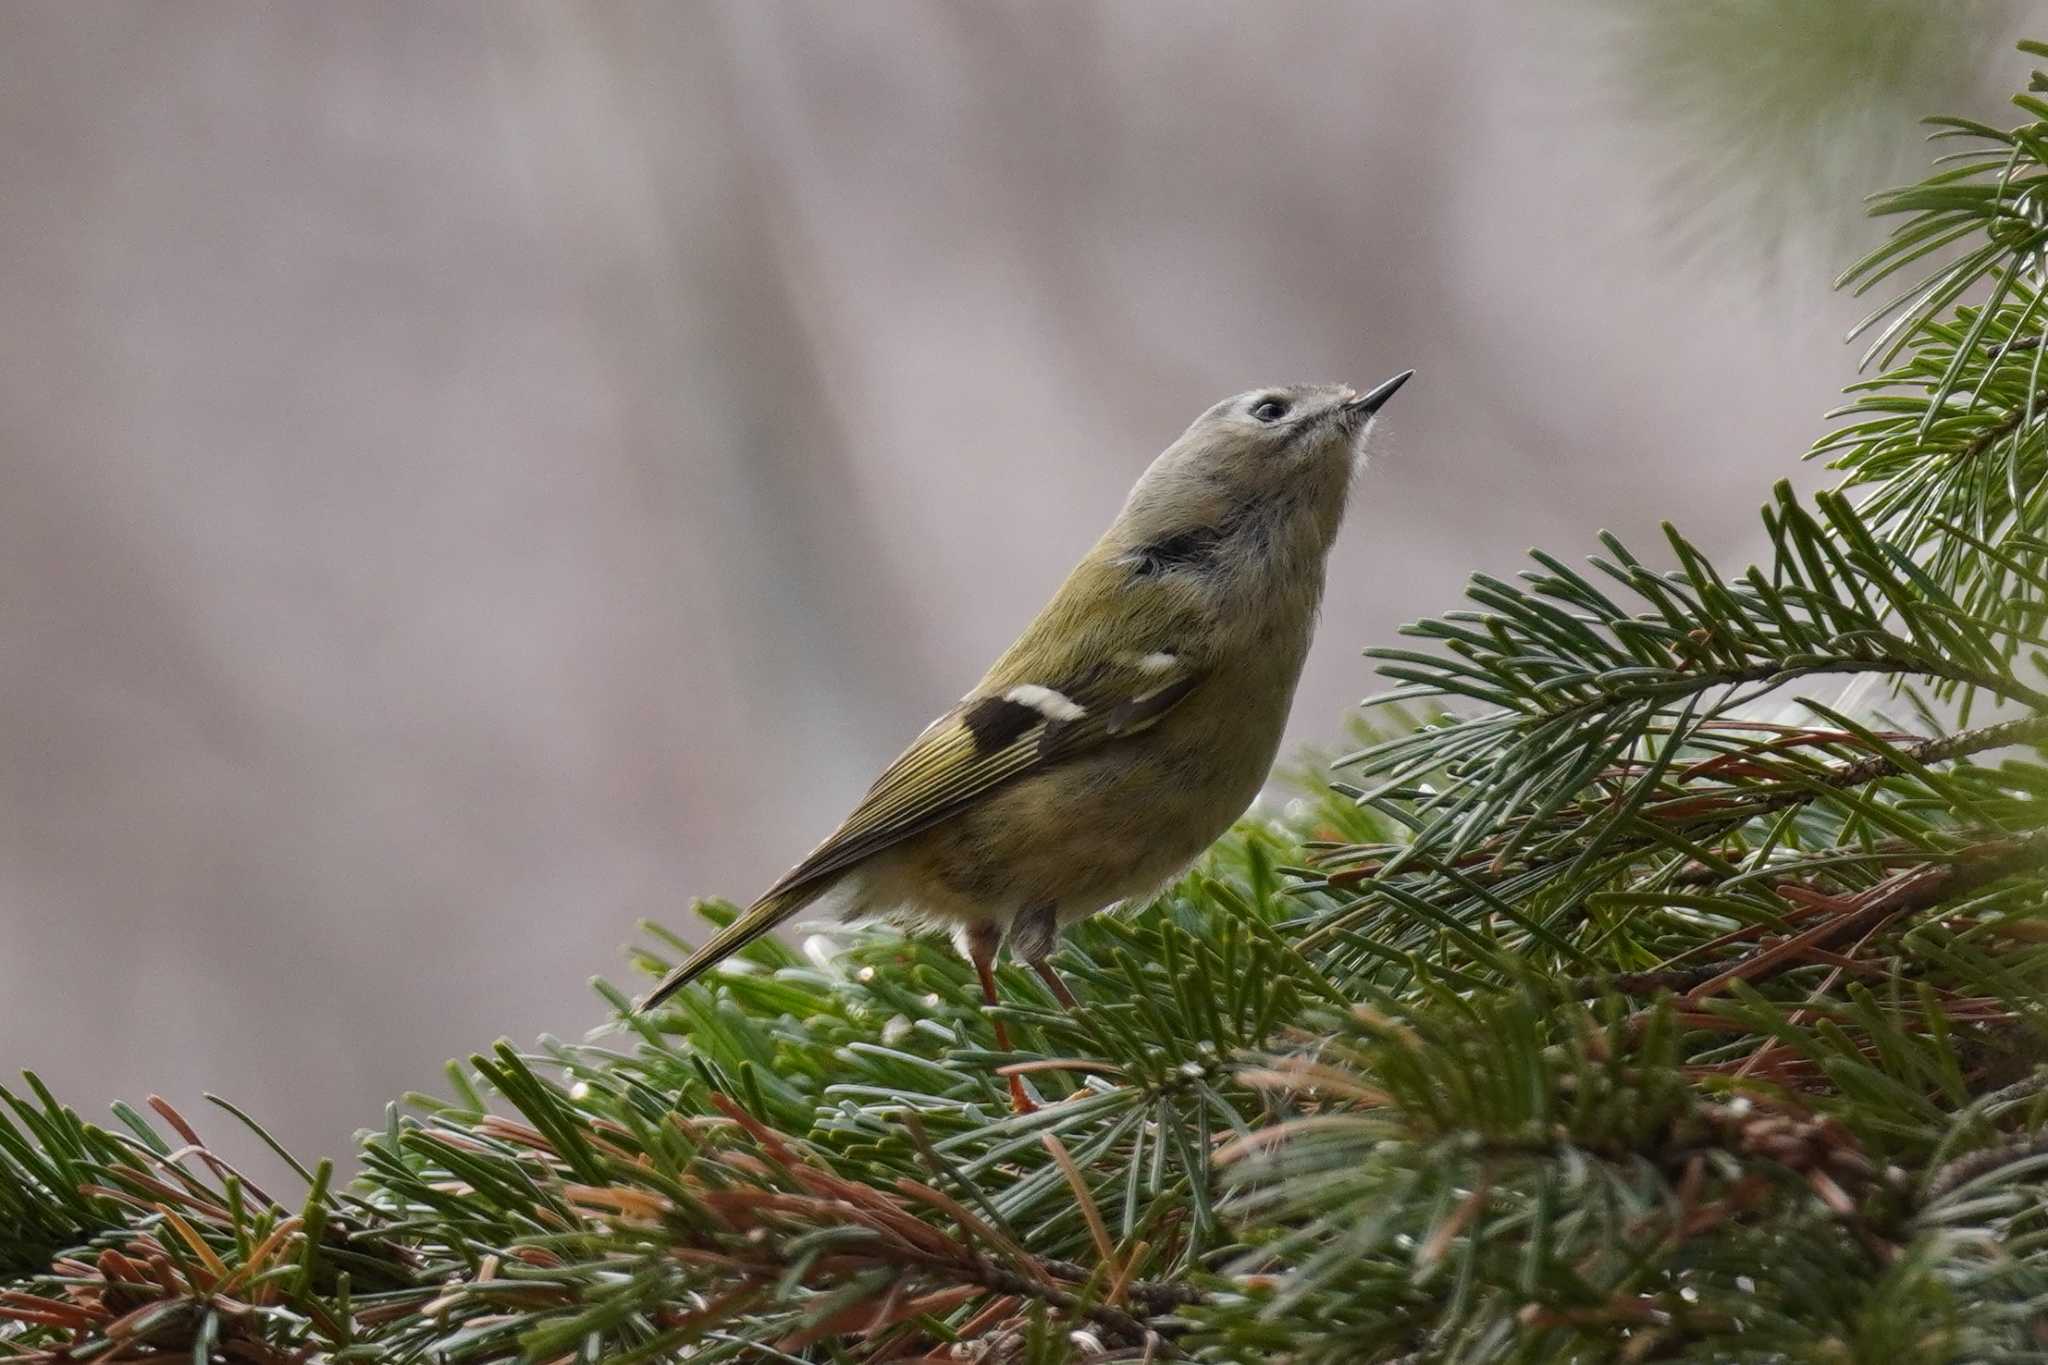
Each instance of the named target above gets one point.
<point>1964,1169</point>
<point>1970,869</point>
<point>1746,803</point>
<point>904,1242</point>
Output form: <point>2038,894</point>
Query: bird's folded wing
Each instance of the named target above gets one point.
<point>997,735</point>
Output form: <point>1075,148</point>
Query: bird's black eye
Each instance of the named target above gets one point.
<point>1270,409</point>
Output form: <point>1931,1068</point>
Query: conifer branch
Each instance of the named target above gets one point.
<point>1970,869</point>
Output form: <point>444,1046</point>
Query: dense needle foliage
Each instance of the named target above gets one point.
<point>1628,999</point>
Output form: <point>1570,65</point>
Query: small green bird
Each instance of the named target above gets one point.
<point>1129,725</point>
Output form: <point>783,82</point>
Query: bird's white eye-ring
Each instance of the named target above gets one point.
<point>1270,409</point>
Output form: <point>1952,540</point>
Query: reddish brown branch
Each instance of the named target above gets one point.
<point>1970,870</point>
<point>1732,802</point>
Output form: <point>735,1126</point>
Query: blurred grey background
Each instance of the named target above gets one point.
<point>475,475</point>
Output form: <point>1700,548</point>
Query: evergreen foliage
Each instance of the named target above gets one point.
<point>1629,1000</point>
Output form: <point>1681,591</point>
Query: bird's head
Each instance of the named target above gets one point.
<point>1284,451</point>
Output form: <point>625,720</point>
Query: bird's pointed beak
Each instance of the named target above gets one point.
<point>1366,404</point>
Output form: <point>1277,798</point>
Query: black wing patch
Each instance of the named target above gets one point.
<point>997,721</point>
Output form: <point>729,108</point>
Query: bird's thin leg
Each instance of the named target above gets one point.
<point>982,942</point>
<point>1033,935</point>
<point>1054,983</point>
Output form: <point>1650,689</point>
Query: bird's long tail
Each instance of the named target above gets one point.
<point>760,917</point>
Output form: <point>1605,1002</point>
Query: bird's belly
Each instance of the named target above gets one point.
<point>1102,829</point>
